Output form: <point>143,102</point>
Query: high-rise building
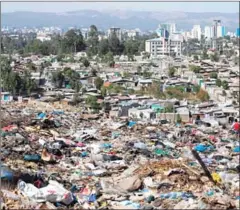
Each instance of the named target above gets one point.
<point>208,32</point>
<point>117,31</point>
<point>196,32</point>
<point>170,27</point>
<point>238,32</point>
<point>132,34</point>
<point>186,35</point>
<point>221,31</point>
<point>162,32</point>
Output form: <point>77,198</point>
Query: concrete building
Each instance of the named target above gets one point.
<point>238,32</point>
<point>85,33</point>
<point>43,37</point>
<point>208,32</point>
<point>196,32</point>
<point>221,31</point>
<point>132,34</point>
<point>186,35</point>
<point>170,27</point>
<point>117,31</point>
<point>6,97</point>
<point>161,46</point>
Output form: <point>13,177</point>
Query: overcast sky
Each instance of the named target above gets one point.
<point>226,7</point>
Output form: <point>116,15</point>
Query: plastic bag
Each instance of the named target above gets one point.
<point>53,193</point>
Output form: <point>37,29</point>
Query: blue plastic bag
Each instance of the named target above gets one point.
<point>236,149</point>
<point>34,158</point>
<point>203,148</point>
<point>92,198</point>
<point>131,123</point>
<point>131,204</point>
<point>6,173</point>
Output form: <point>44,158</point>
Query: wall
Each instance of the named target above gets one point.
<point>147,47</point>
<point>135,113</point>
<point>113,113</point>
<point>173,117</point>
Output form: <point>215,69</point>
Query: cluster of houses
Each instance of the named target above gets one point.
<point>139,106</point>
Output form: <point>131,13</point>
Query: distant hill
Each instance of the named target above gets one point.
<point>118,18</point>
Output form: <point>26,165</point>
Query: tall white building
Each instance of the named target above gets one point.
<point>221,31</point>
<point>186,35</point>
<point>43,37</point>
<point>132,34</point>
<point>208,32</point>
<point>117,31</point>
<point>170,27</point>
<point>196,32</point>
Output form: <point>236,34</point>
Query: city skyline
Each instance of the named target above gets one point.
<point>59,7</point>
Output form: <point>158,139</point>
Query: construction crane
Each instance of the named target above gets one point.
<point>216,22</point>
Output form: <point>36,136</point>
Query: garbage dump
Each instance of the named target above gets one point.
<point>57,159</point>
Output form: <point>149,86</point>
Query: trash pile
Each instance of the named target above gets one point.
<point>60,159</point>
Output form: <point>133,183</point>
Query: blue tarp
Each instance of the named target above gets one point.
<point>6,173</point>
<point>41,115</point>
<point>131,123</point>
<point>236,149</point>
<point>58,112</point>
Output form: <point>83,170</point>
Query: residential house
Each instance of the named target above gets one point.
<point>6,97</point>
<point>141,113</point>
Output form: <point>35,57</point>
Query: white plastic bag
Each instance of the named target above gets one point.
<point>54,192</point>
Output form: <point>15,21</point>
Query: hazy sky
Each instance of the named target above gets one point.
<point>226,7</point>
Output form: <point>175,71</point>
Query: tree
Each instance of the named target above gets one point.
<point>213,75</point>
<point>169,109</point>
<point>203,95</point>
<point>227,37</point>
<point>98,83</point>
<point>196,88</point>
<point>204,55</point>
<point>155,91</point>
<point>218,82</point>
<point>12,82</point>
<point>85,62</point>
<point>76,85</point>
<point>92,41</point>
<point>179,119</point>
<point>76,99</point>
<point>174,92</point>
<point>73,77</point>
<point>171,71</point>
<point>31,66</point>
<point>73,41</point>
<point>195,69</point>
<point>236,61</point>
<point>111,64</point>
<point>224,93</point>
<point>131,48</point>
<point>195,57</point>
<point>58,79</point>
<point>126,74</point>
<point>114,44</point>
<point>139,70</point>
<point>92,102</point>
<point>103,91</point>
<point>147,74</point>
<point>28,83</point>
<point>225,85</point>
<point>214,57</point>
<point>103,47</point>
